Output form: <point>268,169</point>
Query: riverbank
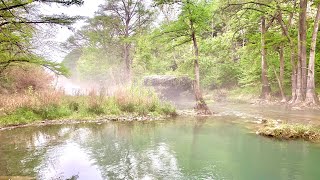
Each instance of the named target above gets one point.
<point>274,121</point>
<point>97,120</point>
<point>27,108</point>
<point>285,131</point>
<point>132,104</point>
<point>250,95</point>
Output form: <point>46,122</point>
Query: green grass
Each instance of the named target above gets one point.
<point>243,94</point>
<point>128,101</point>
<point>249,93</point>
<point>291,131</point>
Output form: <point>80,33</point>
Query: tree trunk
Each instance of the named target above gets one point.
<point>280,86</point>
<point>266,90</point>
<point>281,77</point>
<point>311,95</point>
<point>127,47</point>
<point>302,62</point>
<point>292,55</point>
<point>299,92</point>
<point>128,62</point>
<point>293,77</point>
<point>201,106</point>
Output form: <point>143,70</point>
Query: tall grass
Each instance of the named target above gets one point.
<point>48,105</point>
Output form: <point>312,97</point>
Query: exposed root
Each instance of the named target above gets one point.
<point>202,109</point>
<point>312,99</point>
<point>284,100</point>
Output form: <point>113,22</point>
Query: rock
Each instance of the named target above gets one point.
<point>169,86</point>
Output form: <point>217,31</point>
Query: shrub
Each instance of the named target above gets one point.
<point>111,107</point>
<point>74,106</point>
<point>53,111</point>
<point>20,116</point>
<point>96,109</point>
<point>21,78</point>
<point>168,109</point>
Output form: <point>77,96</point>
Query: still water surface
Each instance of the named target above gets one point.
<point>207,148</point>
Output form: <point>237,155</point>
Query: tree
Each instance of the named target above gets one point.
<point>192,20</point>
<point>17,24</point>
<point>94,50</point>
<point>266,89</point>
<point>302,53</point>
<point>263,9</point>
<point>133,16</point>
<point>286,28</point>
<point>311,95</point>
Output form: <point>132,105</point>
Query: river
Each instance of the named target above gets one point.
<point>216,147</point>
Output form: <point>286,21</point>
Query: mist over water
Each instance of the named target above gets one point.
<point>189,148</point>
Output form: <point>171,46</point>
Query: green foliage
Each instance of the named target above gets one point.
<point>20,116</point>
<point>17,31</point>
<point>96,50</point>
<point>220,67</point>
<point>53,111</point>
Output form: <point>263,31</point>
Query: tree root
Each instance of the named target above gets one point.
<point>202,108</point>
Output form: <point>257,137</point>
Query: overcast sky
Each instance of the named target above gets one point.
<point>87,9</point>
<point>59,34</point>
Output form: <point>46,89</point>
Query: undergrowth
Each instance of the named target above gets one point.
<point>50,105</point>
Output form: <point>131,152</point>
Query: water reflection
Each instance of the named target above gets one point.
<point>181,149</point>
<point>126,151</point>
<point>66,161</point>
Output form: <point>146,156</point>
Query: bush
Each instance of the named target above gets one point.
<point>74,106</point>
<point>96,109</point>
<point>21,78</point>
<point>111,107</point>
<point>53,111</point>
<point>20,116</point>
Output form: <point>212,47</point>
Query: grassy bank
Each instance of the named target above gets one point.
<point>33,106</point>
<point>290,131</point>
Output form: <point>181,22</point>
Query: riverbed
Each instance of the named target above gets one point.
<point>218,147</point>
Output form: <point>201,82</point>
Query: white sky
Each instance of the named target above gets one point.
<point>87,9</point>
<point>60,34</point>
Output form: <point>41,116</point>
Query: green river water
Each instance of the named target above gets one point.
<point>183,148</point>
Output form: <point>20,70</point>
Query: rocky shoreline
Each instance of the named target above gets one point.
<point>104,119</point>
<point>263,127</point>
<point>99,120</point>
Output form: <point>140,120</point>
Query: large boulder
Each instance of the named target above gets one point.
<point>170,86</point>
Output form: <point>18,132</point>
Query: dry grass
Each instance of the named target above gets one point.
<point>136,96</point>
<point>31,106</point>
<point>9,103</point>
